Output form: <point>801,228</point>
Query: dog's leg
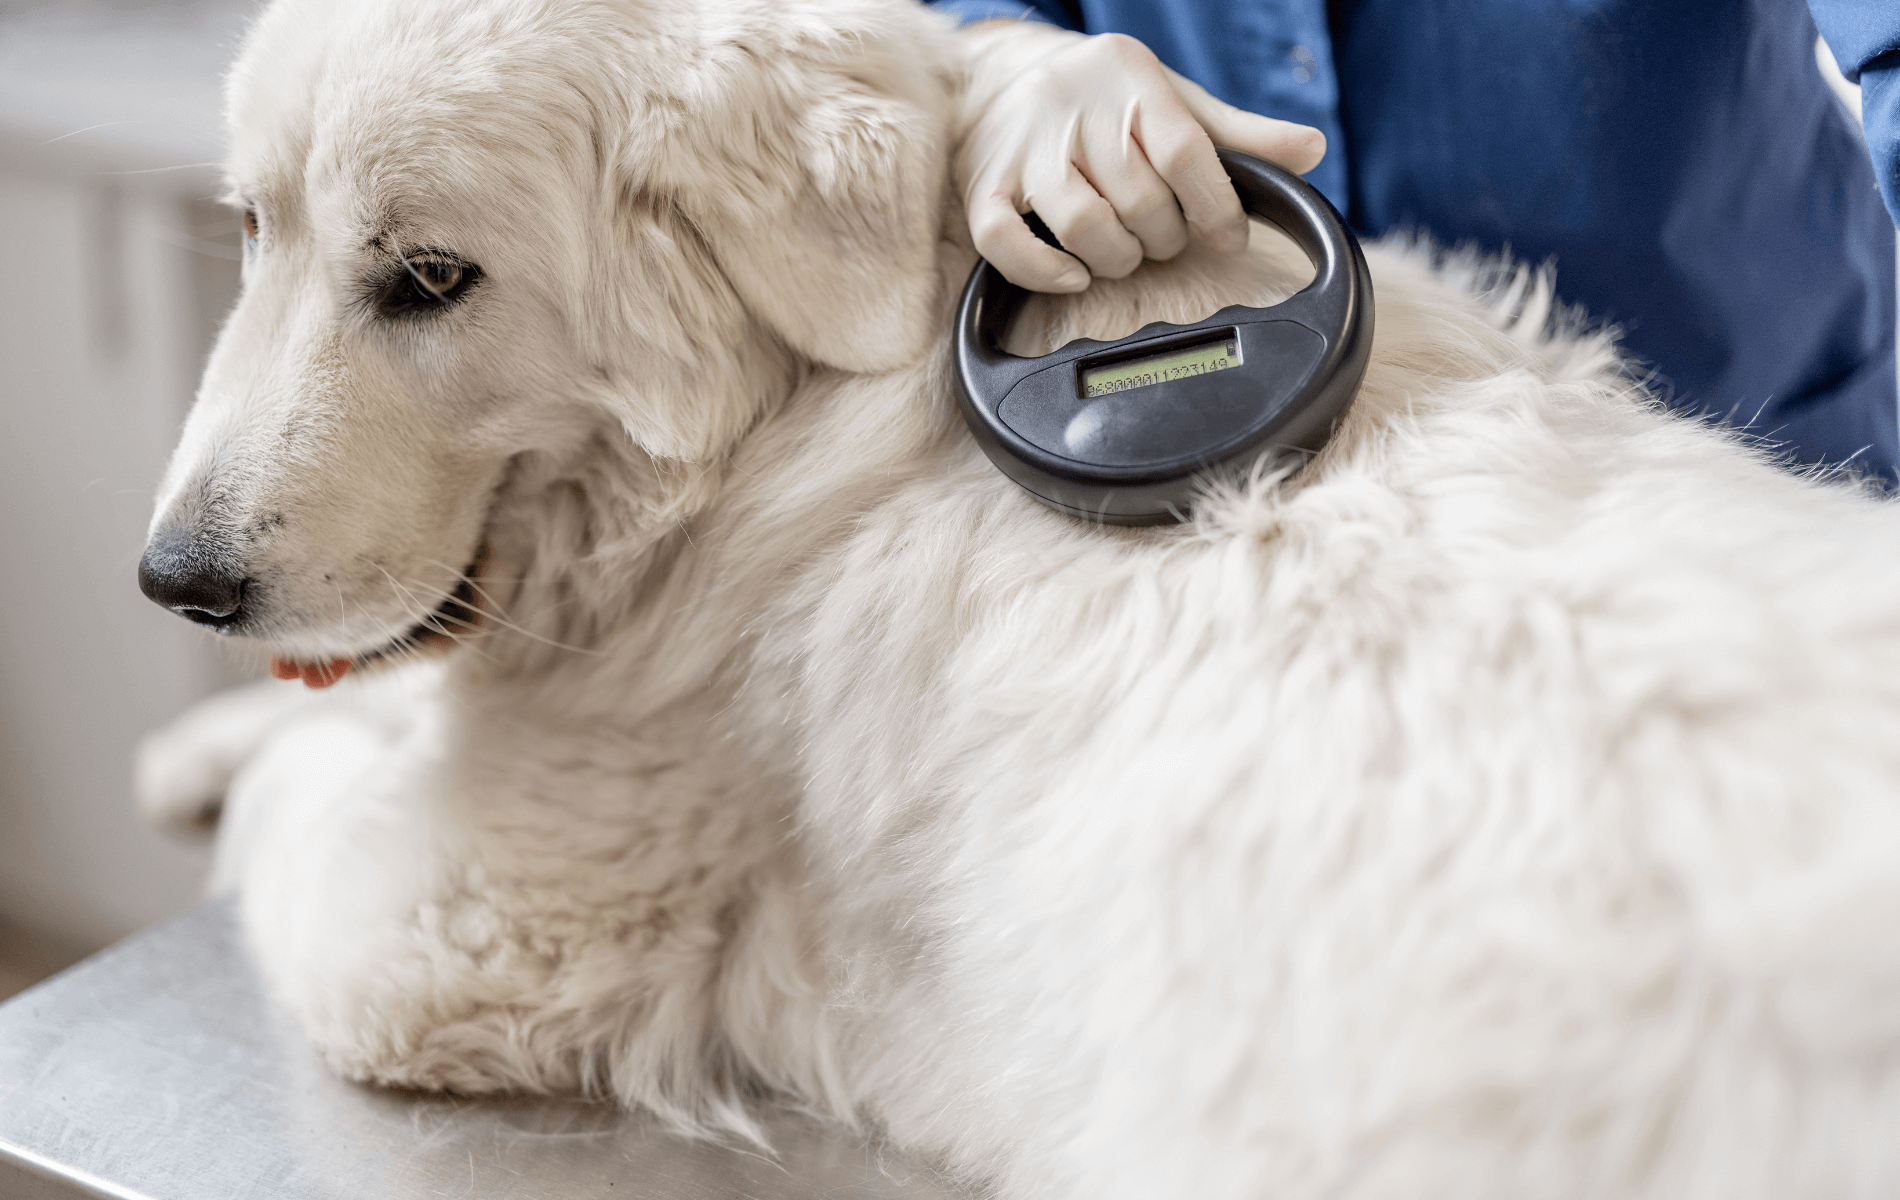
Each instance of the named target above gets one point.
<point>484,903</point>
<point>184,770</point>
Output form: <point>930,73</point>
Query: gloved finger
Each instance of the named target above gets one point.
<point>1298,148</point>
<point>1181,154</point>
<point>1023,258</point>
<point>1114,164</point>
<point>1081,219</point>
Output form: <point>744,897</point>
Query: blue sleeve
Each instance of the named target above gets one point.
<point>1880,117</point>
<point>969,12</point>
<point>1865,38</point>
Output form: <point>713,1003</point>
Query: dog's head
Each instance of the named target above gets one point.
<point>485,229</point>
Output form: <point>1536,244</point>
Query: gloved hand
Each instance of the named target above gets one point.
<point>1110,148</point>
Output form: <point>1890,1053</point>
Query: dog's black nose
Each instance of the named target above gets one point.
<point>182,576</point>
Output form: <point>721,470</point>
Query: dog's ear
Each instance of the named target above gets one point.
<point>809,149</point>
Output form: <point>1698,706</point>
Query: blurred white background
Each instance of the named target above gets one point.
<point>118,267</point>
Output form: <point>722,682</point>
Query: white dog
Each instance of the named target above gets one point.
<point>1508,805</point>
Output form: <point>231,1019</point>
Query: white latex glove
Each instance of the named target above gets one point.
<point>1110,148</point>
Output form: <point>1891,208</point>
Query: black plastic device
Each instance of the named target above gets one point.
<point>1124,432</point>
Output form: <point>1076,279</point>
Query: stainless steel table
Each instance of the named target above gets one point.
<point>156,1070</point>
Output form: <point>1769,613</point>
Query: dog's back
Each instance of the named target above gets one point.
<point>1508,805</point>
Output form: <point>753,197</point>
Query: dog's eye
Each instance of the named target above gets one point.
<point>250,231</point>
<point>426,283</point>
<point>436,277</point>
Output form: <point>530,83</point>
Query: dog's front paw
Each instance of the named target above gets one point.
<point>180,789</point>
<point>474,1056</point>
<point>418,1015</point>
<point>183,771</point>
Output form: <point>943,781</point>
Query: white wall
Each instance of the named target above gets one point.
<point>114,270</point>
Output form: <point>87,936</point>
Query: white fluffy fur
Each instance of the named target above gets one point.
<point>1508,806</point>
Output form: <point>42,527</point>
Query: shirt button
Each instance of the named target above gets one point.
<point>1305,66</point>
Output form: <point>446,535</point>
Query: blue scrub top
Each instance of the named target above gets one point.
<point>1682,162</point>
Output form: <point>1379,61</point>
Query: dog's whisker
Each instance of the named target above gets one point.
<point>407,595</point>
<point>513,627</point>
<point>428,620</point>
<point>462,630</point>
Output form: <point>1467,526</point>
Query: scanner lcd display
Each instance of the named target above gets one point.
<point>1151,369</point>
